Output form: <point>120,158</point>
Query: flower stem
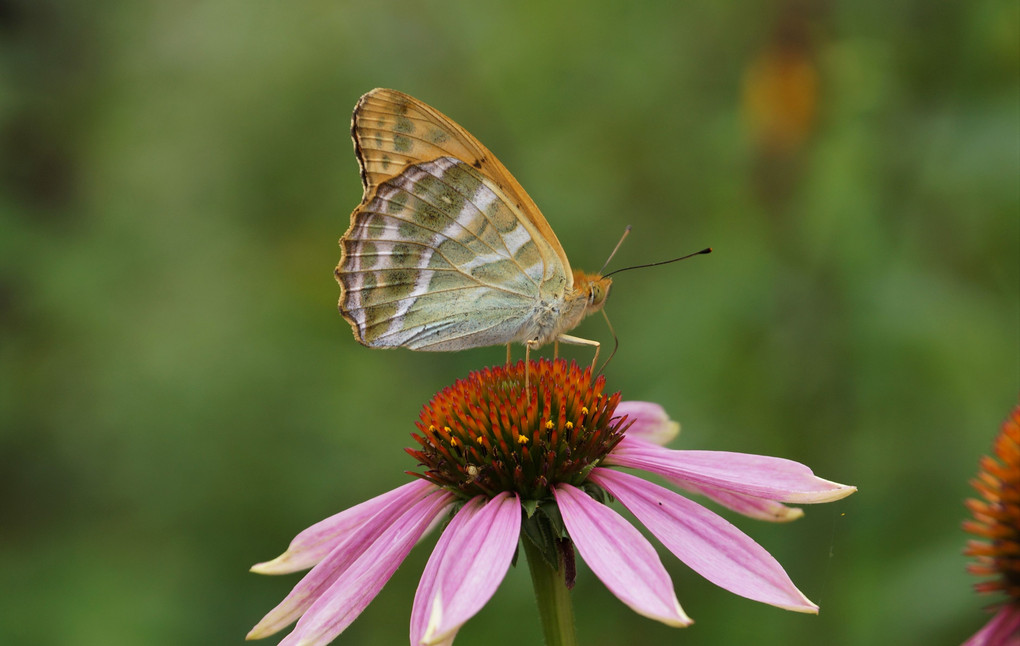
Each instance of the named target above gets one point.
<point>552,597</point>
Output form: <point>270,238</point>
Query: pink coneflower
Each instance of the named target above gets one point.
<point>540,470</point>
<point>997,522</point>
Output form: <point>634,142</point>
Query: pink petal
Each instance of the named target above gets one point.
<point>650,422</point>
<point>1002,630</point>
<point>707,543</point>
<point>313,544</point>
<point>749,475</point>
<point>336,590</point>
<point>757,508</point>
<point>619,556</point>
<point>467,565</point>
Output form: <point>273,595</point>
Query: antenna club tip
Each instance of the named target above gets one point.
<point>628,228</point>
<point>706,250</point>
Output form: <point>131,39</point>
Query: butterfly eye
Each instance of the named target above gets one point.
<point>598,291</point>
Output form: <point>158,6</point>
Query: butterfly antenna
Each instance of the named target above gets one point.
<point>616,341</point>
<point>661,262</point>
<point>626,232</point>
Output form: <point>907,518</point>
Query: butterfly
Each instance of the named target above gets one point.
<point>446,250</point>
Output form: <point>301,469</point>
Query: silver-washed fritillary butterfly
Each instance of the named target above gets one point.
<point>446,250</point>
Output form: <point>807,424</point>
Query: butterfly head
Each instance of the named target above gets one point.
<point>595,288</point>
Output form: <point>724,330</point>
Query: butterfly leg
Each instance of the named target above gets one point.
<point>576,340</point>
<point>528,345</point>
<point>508,354</point>
<point>556,349</point>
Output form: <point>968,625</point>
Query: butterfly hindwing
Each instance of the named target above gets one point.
<point>438,260</point>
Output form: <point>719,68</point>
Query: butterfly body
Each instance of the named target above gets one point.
<point>446,251</point>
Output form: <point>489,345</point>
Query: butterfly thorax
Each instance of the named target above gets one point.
<point>587,296</point>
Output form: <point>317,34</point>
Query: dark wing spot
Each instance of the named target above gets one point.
<point>404,125</point>
<point>401,144</point>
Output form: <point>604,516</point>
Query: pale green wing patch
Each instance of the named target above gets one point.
<point>438,260</point>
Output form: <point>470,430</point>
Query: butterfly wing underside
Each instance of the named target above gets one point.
<point>446,251</point>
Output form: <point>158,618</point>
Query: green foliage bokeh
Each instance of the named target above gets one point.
<point>179,397</point>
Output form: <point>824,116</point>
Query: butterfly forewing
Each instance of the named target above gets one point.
<point>392,130</point>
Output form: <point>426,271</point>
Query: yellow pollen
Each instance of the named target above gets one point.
<point>479,440</point>
<point>447,429</point>
<point>584,410</point>
<point>453,441</point>
<point>432,429</point>
<point>521,439</point>
<point>549,425</point>
<point>570,426</point>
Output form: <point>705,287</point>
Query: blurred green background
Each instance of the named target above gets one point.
<point>179,396</point>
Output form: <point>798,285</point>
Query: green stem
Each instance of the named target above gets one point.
<point>552,597</point>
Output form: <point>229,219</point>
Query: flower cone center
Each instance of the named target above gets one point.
<point>484,434</point>
<point>997,515</point>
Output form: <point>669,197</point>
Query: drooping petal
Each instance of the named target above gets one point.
<point>336,590</point>
<point>706,542</point>
<point>313,544</point>
<point>467,565</point>
<point>757,508</point>
<point>619,556</point>
<point>650,422</point>
<point>741,473</point>
<point>750,506</point>
<point>1001,630</point>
